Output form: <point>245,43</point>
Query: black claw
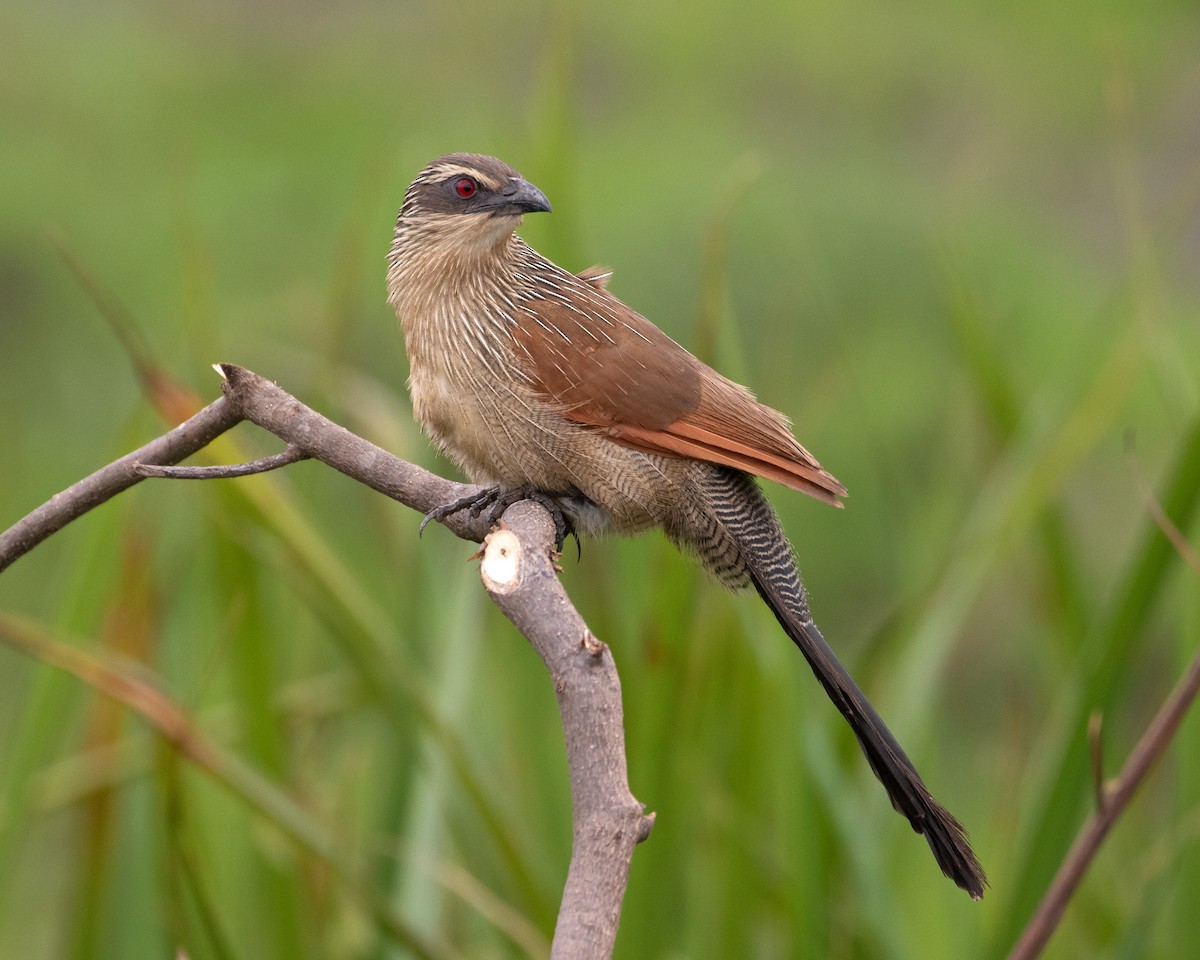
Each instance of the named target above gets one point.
<point>474,502</point>
<point>498,501</point>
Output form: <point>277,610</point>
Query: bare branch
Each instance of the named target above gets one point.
<point>250,397</point>
<point>518,572</point>
<point>1149,748</point>
<point>1112,799</point>
<point>278,412</point>
<point>191,435</point>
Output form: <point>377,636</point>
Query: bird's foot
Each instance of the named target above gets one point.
<point>496,500</point>
<point>474,502</point>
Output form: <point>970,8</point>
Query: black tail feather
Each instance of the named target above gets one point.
<point>742,510</point>
<point>907,791</point>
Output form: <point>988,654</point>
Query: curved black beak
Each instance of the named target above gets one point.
<point>520,196</point>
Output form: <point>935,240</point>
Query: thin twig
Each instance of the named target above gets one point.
<point>1150,747</point>
<point>1165,524</point>
<point>1115,797</point>
<point>224,471</point>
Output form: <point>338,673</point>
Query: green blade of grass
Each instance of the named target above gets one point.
<point>134,687</point>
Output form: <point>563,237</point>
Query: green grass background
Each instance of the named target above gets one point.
<point>958,243</point>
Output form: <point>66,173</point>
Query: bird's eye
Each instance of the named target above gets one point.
<point>465,187</point>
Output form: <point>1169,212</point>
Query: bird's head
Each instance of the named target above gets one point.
<point>455,224</point>
<point>470,198</point>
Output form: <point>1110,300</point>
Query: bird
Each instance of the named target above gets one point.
<point>538,382</point>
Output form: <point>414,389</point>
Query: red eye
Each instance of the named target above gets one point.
<point>465,187</point>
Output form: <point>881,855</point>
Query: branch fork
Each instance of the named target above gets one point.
<point>518,572</point>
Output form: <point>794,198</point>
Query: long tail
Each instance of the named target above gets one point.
<point>741,539</point>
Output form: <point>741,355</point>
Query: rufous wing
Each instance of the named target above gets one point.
<point>609,367</point>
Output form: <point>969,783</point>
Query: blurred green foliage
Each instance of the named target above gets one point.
<point>957,242</point>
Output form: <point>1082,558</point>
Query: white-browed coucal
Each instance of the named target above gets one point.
<point>537,380</point>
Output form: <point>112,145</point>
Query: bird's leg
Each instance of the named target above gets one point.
<point>498,499</point>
